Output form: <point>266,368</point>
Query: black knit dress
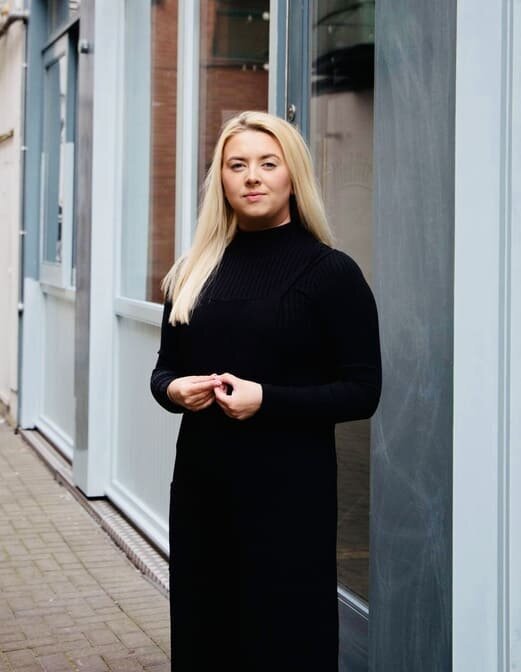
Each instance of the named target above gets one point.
<point>253,584</point>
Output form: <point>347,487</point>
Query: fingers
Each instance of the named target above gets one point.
<point>199,402</point>
<point>199,398</point>
<point>227,403</point>
<point>200,406</point>
<point>228,378</point>
<point>203,386</point>
<point>226,409</point>
<point>222,396</point>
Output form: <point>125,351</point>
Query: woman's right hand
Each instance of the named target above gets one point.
<point>193,392</point>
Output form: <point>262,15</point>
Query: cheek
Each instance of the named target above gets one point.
<point>230,187</point>
<point>285,184</point>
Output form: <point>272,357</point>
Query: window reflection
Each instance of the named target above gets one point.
<point>161,237</point>
<point>55,111</point>
<point>148,236</point>
<point>341,129</point>
<point>234,66</point>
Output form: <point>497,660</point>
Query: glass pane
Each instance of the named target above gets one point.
<point>234,66</point>
<point>57,14</point>
<point>341,131</point>
<point>60,12</point>
<point>150,147</point>
<point>55,112</point>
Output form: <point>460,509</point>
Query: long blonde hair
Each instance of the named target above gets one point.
<point>217,222</point>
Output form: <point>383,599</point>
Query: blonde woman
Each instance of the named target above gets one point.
<point>269,338</point>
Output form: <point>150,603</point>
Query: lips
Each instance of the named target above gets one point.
<point>253,196</point>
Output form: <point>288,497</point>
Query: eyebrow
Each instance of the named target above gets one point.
<point>265,156</point>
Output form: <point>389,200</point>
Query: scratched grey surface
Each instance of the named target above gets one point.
<point>83,212</point>
<point>411,476</point>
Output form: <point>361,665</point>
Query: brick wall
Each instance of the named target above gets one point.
<point>225,89</point>
<point>161,249</point>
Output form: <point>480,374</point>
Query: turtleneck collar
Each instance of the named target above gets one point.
<point>270,232</point>
<point>264,241</point>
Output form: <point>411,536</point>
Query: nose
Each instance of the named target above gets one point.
<point>251,176</point>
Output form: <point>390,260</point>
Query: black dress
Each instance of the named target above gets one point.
<point>253,515</point>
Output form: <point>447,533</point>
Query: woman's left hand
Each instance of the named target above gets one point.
<point>244,400</point>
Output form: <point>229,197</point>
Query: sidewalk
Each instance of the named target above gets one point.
<point>69,598</point>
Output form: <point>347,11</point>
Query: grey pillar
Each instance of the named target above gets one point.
<point>83,238</point>
<point>411,480</point>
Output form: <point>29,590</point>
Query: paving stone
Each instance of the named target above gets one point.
<point>20,658</point>
<point>126,664</point>
<point>163,667</point>
<point>70,600</point>
<point>55,663</point>
<point>91,664</point>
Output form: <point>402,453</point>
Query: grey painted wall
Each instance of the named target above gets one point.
<point>411,478</point>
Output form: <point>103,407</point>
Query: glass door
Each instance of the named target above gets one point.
<point>330,93</point>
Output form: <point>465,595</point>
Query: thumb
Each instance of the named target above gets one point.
<point>220,394</point>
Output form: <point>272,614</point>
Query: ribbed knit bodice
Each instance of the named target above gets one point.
<point>257,263</point>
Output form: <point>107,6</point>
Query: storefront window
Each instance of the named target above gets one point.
<point>148,236</point>
<point>341,131</point>
<point>234,66</point>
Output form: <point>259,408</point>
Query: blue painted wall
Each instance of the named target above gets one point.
<point>36,35</point>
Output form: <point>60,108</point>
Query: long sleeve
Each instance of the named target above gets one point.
<point>346,306</point>
<point>165,370</point>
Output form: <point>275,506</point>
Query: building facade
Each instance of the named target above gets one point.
<point>411,114</point>
<point>12,79</point>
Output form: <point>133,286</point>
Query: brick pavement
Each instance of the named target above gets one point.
<point>69,598</point>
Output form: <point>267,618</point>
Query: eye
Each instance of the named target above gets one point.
<point>269,164</point>
<point>236,166</point>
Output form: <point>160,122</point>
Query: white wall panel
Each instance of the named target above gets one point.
<point>487,340</point>
<point>57,406</point>
<point>144,444</point>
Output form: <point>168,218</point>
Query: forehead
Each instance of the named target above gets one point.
<point>251,143</point>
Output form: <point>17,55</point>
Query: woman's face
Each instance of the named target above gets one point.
<point>256,180</point>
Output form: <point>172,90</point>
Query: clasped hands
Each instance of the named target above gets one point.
<point>198,392</point>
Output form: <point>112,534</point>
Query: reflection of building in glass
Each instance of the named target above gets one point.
<point>163,102</point>
<point>341,142</point>
<point>233,75</point>
<point>344,52</point>
<point>240,34</point>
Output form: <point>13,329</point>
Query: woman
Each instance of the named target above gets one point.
<point>269,338</point>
